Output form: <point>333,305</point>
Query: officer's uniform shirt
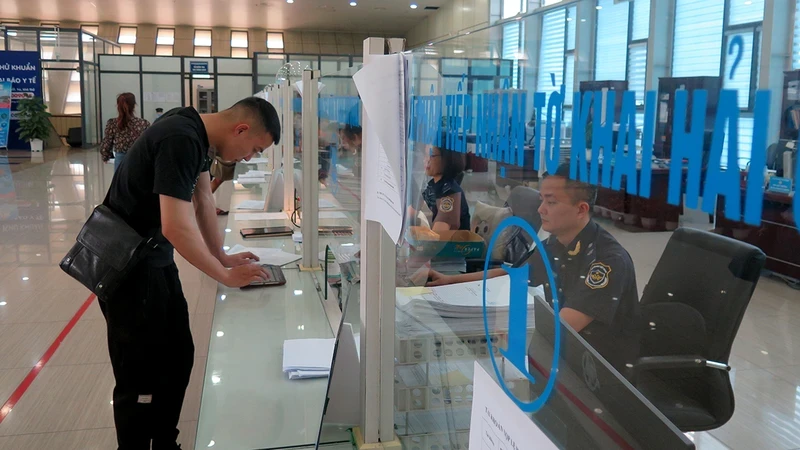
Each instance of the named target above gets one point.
<point>595,275</point>
<point>446,200</point>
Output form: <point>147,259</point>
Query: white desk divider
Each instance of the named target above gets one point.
<point>288,147</point>
<point>270,153</point>
<point>377,301</point>
<point>310,198</point>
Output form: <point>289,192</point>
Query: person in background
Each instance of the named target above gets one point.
<point>595,275</point>
<point>443,194</point>
<point>164,190</point>
<point>122,131</point>
<point>159,113</point>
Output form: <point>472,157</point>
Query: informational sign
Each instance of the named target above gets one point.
<point>198,67</point>
<point>24,71</point>
<point>497,424</point>
<point>5,112</point>
<point>780,185</point>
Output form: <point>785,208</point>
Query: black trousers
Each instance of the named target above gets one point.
<point>152,354</point>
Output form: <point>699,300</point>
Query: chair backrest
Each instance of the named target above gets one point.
<point>524,203</point>
<point>713,274</point>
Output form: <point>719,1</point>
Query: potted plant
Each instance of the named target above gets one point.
<point>34,122</point>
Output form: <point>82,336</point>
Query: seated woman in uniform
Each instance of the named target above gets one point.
<point>443,194</point>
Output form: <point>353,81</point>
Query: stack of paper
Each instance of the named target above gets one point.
<point>461,305</point>
<point>253,177</point>
<point>272,256</point>
<point>307,358</point>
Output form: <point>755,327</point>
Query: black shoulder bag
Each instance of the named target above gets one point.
<point>107,249</point>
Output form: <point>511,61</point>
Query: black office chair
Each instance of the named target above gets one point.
<point>691,310</point>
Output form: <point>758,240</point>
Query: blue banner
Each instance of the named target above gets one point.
<point>5,112</point>
<point>24,71</point>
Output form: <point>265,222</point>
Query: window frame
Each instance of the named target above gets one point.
<point>203,48</point>
<point>128,27</point>
<point>276,49</point>
<point>246,47</point>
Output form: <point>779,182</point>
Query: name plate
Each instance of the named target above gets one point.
<point>780,185</point>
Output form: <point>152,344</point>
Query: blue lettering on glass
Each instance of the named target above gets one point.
<point>539,102</point>
<point>580,118</point>
<point>758,160</point>
<point>650,103</point>
<point>735,41</point>
<point>625,161</point>
<point>602,137</point>
<point>687,145</point>
<point>796,203</point>
<point>517,353</point>
<point>719,181</point>
<point>553,132</point>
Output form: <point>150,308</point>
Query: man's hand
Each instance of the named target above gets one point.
<point>245,274</point>
<point>238,259</point>
<point>438,279</point>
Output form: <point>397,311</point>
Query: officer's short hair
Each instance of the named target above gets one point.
<point>578,190</point>
<point>265,114</point>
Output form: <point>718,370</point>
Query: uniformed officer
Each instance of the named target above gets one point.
<point>595,276</point>
<point>443,194</point>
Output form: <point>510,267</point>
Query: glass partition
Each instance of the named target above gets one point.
<point>606,249</point>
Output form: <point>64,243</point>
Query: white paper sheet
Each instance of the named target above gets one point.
<point>274,256</point>
<point>239,217</point>
<point>381,85</point>
<point>254,174</point>
<point>253,205</point>
<point>497,423</point>
<point>332,215</point>
<point>308,354</point>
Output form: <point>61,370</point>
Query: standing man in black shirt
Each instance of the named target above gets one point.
<point>595,277</point>
<point>164,185</point>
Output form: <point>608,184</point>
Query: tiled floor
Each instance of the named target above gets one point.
<point>68,407</point>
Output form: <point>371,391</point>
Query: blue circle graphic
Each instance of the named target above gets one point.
<point>537,404</point>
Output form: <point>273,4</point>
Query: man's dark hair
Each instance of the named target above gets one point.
<point>578,190</point>
<point>268,117</point>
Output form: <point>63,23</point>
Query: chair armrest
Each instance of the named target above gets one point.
<point>648,363</point>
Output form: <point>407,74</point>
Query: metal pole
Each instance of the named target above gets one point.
<point>310,197</point>
<point>288,148</point>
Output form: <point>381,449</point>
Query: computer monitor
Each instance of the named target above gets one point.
<point>592,405</point>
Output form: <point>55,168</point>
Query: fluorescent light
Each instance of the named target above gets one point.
<point>220,333</point>
<point>353,3</point>
<point>223,297</point>
<point>458,51</point>
<point>228,230</point>
<point>25,278</point>
<point>598,7</point>
<point>3,303</point>
<point>215,379</point>
<point>290,1</point>
<point>298,292</point>
<point>413,6</point>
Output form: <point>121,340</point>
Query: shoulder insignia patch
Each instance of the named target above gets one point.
<point>597,277</point>
<point>446,204</point>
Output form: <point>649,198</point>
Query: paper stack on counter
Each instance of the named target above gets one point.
<point>253,177</point>
<point>307,358</point>
<point>257,161</point>
<point>272,256</point>
<point>461,305</point>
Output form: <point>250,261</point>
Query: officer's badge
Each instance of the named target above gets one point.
<point>598,275</point>
<point>446,204</point>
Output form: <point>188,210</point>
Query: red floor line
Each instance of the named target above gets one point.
<point>26,383</point>
<point>349,191</point>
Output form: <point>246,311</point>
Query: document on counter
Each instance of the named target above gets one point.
<point>257,161</point>
<point>252,205</point>
<point>254,174</point>
<point>273,256</point>
<point>381,85</point>
<point>307,358</point>
<point>499,424</point>
<point>240,217</point>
